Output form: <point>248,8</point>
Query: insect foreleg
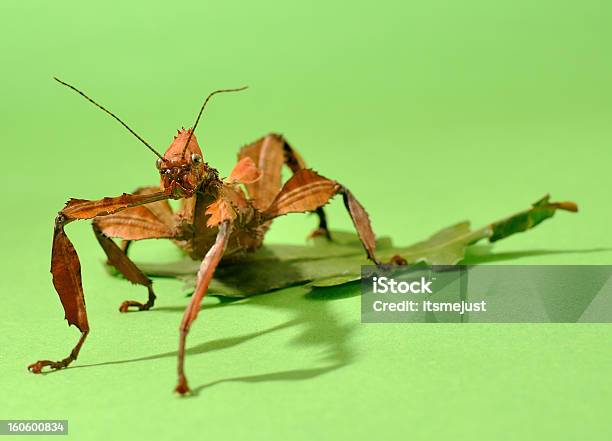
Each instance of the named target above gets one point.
<point>161,209</point>
<point>66,267</point>
<point>40,364</point>
<point>205,274</point>
<point>66,270</point>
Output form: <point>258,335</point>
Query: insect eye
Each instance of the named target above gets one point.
<point>195,158</point>
<point>158,163</point>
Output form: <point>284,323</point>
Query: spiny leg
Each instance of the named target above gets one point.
<point>117,258</point>
<point>66,270</point>
<point>361,221</point>
<point>270,153</point>
<point>307,191</point>
<point>322,229</point>
<point>125,246</point>
<point>153,221</point>
<point>162,207</point>
<point>295,162</point>
<point>40,364</point>
<point>66,267</point>
<point>205,274</point>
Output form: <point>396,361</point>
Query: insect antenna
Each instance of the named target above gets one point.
<point>210,95</point>
<point>111,114</point>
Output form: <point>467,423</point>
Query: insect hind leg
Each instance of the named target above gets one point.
<point>307,191</point>
<point>270,153</point>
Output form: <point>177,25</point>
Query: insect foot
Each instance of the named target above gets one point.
<point>319,232</point>
<point>125,306</point>
<point>36,368</point>
<point>396,260</point>
<point>182,388</point>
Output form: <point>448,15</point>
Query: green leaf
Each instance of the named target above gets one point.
<point>324,263</point>
<point>446,247</point>
<point>539,212</point>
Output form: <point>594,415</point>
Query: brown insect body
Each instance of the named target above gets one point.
<point>217,220</point>
<point>206,200</point>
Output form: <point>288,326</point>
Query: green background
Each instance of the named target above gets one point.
<point>430,112</point>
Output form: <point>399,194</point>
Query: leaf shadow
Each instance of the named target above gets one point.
<point>312,319</point>
<point>313,324</point>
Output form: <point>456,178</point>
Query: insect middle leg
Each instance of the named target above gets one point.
<point>153,221</point>
<point>119,259</point>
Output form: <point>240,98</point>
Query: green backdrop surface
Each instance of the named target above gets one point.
<point>430,112</point>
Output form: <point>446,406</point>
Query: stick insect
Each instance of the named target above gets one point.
<point>216,220</point>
